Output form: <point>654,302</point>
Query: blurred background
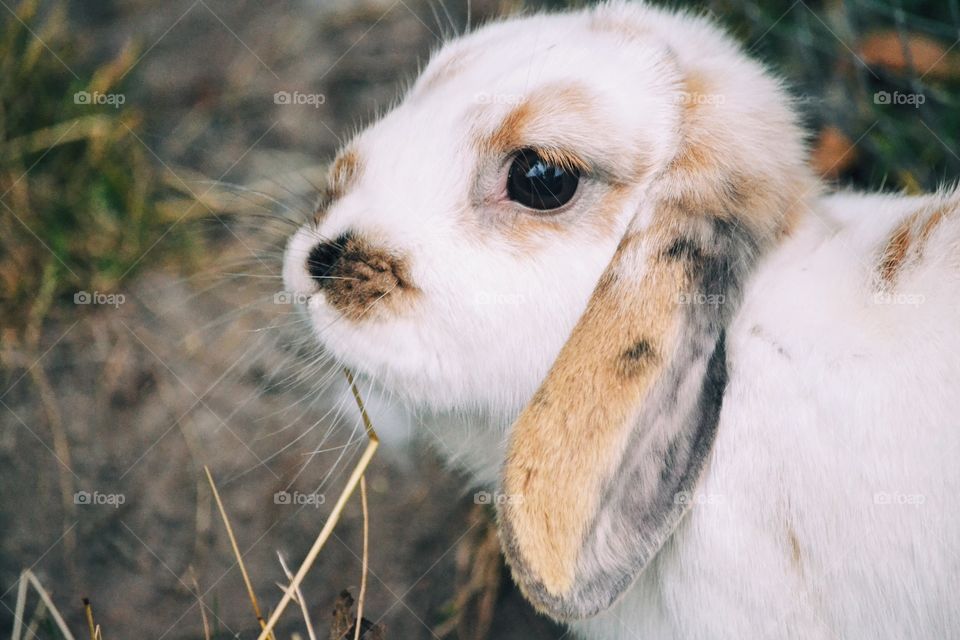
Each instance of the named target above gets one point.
<point>152,158</point>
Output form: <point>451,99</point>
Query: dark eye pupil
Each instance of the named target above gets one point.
<point>535,183</point>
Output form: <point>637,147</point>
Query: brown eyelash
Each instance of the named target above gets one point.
<point>562,158</point>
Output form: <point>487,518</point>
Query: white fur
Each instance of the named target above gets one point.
<point>838,401</point>
<point>837,398</point>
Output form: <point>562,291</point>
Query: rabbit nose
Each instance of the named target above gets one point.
<point>323,257</point>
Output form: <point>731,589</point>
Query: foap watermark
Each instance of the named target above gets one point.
<point>898,298</point>
<point>486,497</point>
<point>899,98</point>
<point>300,98</point>
<point>291,297</point>
<point>697,498</point>
<point>482,298</point>
<point>710,299</point>
<point>95,297</point>
<point>498,98</point>
<point>695,98</point>
<point>86,498</point>
<point>114,100</point>
<point>899,499</point>
<point>297,498</point>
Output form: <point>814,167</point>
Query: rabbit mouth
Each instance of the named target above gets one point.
<point>360,279</point>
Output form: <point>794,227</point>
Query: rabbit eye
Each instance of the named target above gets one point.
<point>539,184</point>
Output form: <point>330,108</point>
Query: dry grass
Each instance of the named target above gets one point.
<point>356,626</point>
<point>78,209</point>
<point>355,478</point>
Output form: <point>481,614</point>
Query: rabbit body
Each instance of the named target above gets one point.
<point>829,508</point>
<point>774,453</point>
<point>831,504</point>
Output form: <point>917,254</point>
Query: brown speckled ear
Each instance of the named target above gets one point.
<point>601,459</point>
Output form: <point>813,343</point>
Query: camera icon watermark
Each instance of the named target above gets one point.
<point>115,100</point>
<point>696,98</point>
<point>298,498</point>
<point>95,498</point>
<point>697,498</point>
<point>496,498</point>
<point>510,99</point>
<point>109,299</point>
<point>897,498</point>
<point>299,98</point>
<point>291,297</point>
<point>498,298</point>
<point>899,98</point>
<point>700,298</point>
<point>899,298</point>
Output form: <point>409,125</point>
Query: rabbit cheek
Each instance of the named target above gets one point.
<point>598,221</point>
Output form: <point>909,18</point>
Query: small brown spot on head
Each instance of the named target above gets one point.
<point>344,172</point>
<point>342,175</point>
<point>538,113</point>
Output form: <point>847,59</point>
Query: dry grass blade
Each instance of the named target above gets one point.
<point>54,612</point>
<point>35,619</point>
<point>366,556</point>
<point>298,597</point>
<point>236,552</point>
<point>20,607</point>
<point>91,626</point>
<point>324,535</point>
<point>61,447</point>
<point>203,610</point>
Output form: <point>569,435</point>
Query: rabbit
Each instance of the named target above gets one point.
<point>711,399</point>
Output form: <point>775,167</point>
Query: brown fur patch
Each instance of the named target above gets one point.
<point>908,240</point>
<point>587,398</point>
<point>344,172</point>
<point>636,359</point>
<point>795,555</point>
<point>367,279</point>
<point>342,175</point>
<point>703,177</point>
<point>533,124</point>
<point>895,253</point>
<point>562,100</point>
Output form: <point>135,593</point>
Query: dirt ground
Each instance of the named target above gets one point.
<point>102,491</point>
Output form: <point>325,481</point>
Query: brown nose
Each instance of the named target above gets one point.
<point>355,275</point>
<point>323,258</point>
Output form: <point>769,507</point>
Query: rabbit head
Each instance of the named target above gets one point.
<point>555,223</point>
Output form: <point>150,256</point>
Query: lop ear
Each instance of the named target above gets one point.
<point>623,423</point>
<point>601,459</point>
